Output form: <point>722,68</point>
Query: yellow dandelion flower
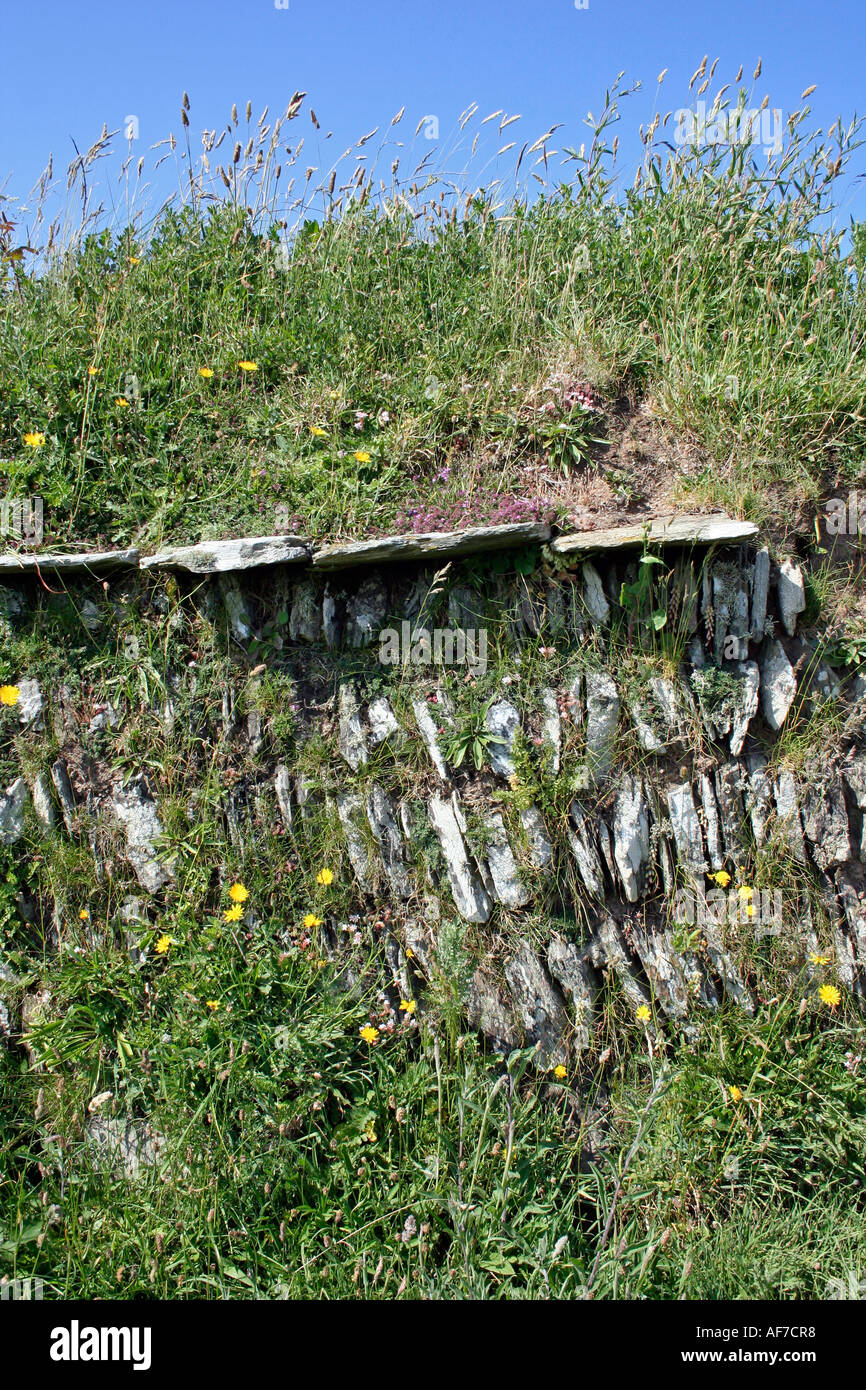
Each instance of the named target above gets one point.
<point>408,1006</point>
<point>34,440</point>
<point>206,372</point>
<point>369,1033</point>
<point>248,366</point>
<point>238,893</point>
<point>410,954</point>
<point>91,370</point>
<point>325,877</point>
<point>751,910</point>
<point>134,260</point>
<point>9,694</point>
<point>829,995</point>
<point>163,944</point>
<point>318,431</point>
<point>643,1014</point>
<point>815,959</point>
<point>84,915</point>
<point>560,1072</point>
<point>311,920</point>
<point>122,402</point>
<point>735,1093</point>
<point>233,914</point>
<point>212,1004</point>
<point>721,878</point>
<point>362,456</point>
<point>321,963</point>
<point>745,892</point>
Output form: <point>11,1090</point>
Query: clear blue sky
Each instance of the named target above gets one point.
<point>67,67</point>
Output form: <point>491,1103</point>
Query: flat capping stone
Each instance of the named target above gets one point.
<point>20,563</point>
<point>667,530</point>
<point>410,546</point>
<point>219,557</point>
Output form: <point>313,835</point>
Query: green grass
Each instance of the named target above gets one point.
<point>710,304</point>
<point>296,1152</point>
<point>426,332</point>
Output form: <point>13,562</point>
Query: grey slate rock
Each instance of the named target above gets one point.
<point>778,684</point>
<point>503,721</point>
<point>539,1006</point>
<point>631,837</point>
<point>686,828</point>
<point>352,744</point>
<point>792,595</point>
<point>470,897</point>
<point>602,716</point>
<point>12,807</point>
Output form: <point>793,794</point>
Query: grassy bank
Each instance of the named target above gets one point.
<point>419,350</point>
<point>342,362</point>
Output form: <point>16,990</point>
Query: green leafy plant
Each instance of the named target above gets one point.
<point>473,739</point>
<point>568,443</point>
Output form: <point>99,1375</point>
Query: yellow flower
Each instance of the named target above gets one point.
<point>9,694</point>
<point>735,1093</point>
<point>721,878</point>
<point>746,893</point>
<point>84,915</point>
<point>311,920</point>
<point>410,954</point>
<point>829,995</point>
<point>163,944</point>
<point>205,372</point>
<point>751,910</point>
<point>212,1004</point>
<point>408,1006</point>
<point>362,456</point>
<point>91,370</point>
<point>121,401</point>
<point>233,914</point>
<point>35,440</point>
<point>560,1072</point>
<point>815,959</point>
<point>134,260</point>
<point>248,366</point>
<point>643,1014</point>
<point>238,893</point>
<point>321,963</point>
<point>318,431</point>
<point>369,1033</point>
<point>325,877</point>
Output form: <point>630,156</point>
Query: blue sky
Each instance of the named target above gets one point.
<point>65,69</point>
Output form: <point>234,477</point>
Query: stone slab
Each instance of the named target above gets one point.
<point>431,544</point>
<point>21,563</point>
<point>663,530</point>
<point>219,557</point>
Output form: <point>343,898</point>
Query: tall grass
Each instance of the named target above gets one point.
<point>419,320</point>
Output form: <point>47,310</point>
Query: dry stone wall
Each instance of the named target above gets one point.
<point>624,762</point>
